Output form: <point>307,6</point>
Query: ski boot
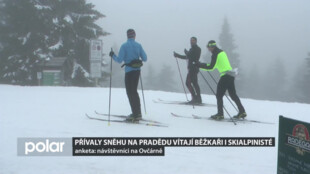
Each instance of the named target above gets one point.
<point>191,102</point>
<point>198,100</point>
<point>217,116</point>
<point>195,101</point>
<point>240,115</point>
<point>134,118</point>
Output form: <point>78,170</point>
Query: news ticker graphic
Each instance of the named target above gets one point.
<point>128,146</point>
<point>44,146</point>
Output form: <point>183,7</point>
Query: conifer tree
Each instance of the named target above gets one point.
<point>34,31</point>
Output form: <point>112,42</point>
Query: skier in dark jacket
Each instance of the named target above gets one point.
<point>192,56</point>
<point>220,61</point>
<point>130,53</point>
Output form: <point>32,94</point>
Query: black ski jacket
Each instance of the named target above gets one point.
<point>192,56</point>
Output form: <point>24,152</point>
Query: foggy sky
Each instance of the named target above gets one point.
<point>263,30</point>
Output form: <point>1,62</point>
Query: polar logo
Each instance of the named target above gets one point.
<point>41,147</point>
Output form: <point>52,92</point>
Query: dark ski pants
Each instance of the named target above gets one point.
<point>192,83</point>
<point>131,83</point>
<point>227,82</point>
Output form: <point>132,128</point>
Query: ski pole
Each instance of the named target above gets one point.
<point>143,94</point>
<point>215,94</point>
<point>110,89</point>
<point>181,78</point>
<point>225,94</point>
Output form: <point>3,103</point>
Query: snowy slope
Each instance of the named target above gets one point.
<point>59,112</point>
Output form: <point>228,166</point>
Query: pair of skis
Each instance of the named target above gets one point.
<point>122,119</point>
<point>223,120</point>
<point>147,122</point>
<point>181,103</point>
<point>205,118</point>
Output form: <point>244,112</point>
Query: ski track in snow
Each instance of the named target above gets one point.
<point>59,112</point>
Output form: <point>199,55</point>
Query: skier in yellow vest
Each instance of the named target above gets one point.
<point>221,62</point>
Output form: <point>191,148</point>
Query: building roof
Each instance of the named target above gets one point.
<point>56,62</point>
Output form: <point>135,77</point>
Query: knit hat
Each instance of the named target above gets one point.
<point>131,33</point>
<point>211,44</point>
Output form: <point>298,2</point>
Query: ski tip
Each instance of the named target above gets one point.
<point>172,114</point>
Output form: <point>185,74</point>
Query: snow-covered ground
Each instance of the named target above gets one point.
<point>59,112</point>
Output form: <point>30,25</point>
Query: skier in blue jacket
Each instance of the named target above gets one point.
<point>130,53</point>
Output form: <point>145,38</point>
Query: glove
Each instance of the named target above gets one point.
<point>199,64</point>
<point>111,53</point>
<point>176,54</point>
<point>185,51</point>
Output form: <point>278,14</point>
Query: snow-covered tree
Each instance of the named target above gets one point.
<point>274,81</point>
<point>306,81</point>
<point>299,88</point>
<point>74,25</point>
<point>296,89</point>
<point>22,40</point>
<point>2,24</point>
<point>227,43</point>
<point>38,30</point>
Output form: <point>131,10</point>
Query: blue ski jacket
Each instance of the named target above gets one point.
<point>129,51</point>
